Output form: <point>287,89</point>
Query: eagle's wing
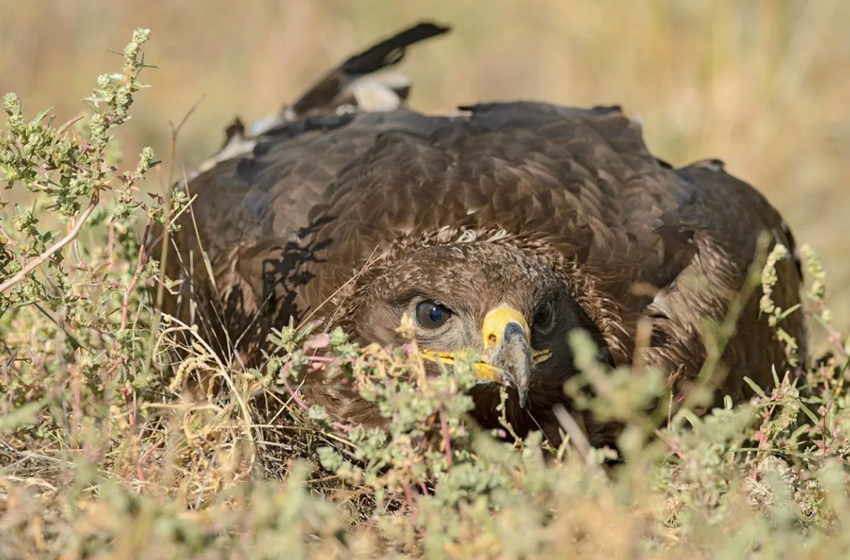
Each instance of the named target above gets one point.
<point>728,217</point>
<point>293,220</point>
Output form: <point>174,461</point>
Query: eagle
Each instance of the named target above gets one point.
<point>498,229</point>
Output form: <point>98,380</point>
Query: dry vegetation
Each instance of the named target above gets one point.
<point>109,450</point>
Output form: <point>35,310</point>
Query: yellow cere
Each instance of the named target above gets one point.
<point>497,320</point>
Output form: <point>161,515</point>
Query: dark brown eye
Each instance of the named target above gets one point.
<point>544,317</point>
<point>431,315</point>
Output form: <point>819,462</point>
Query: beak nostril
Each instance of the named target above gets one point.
<point>501,322</point>
<point>506,338</point>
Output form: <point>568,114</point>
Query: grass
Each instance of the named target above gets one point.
<point>111,447</point>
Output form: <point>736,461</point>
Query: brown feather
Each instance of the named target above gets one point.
<point>309,220</point>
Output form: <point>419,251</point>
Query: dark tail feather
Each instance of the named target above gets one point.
<point>390,51</point>
<point>382,55</point>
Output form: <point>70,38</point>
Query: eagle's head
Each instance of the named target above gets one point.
<point>505,304</point>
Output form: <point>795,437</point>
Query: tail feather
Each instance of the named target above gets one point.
<point>377,57</point>
<point>346,86</point>
<point>390,51</point>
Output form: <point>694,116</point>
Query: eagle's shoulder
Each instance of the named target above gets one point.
<point>583,180</point>
<point>579,177</point>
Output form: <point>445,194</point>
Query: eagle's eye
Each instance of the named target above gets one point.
<point>431,315</point>
<point>544,317</point>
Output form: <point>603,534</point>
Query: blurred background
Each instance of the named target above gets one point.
<point>761,84</point>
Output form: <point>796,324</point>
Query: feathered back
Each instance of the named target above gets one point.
<point>289,223</point>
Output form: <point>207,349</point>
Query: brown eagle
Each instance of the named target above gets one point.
<point>499,229</point>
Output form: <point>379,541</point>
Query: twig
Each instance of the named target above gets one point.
<point>568,423</point>
<point>140,473</point>
<point>163,257</point>
<point>294,394</point>
<point>42,258</point>
<point>140,264</point>
<point>8,237</point>
<point>674,447</point>
<point>447,440</point>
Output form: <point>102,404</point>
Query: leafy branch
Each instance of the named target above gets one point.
<point>63,166</point>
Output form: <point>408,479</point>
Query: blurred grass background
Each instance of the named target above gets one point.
<point>761,84</point>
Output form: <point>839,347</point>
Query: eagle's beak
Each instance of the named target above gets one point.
<point>507,339</point>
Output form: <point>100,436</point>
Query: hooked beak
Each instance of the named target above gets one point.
<point>508,355</point>
<point>507,339</point>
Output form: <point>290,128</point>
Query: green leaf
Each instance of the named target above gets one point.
<point>39,117</point>
<point>788,311</point>
<point>758,390</point>
<point>811,415</point>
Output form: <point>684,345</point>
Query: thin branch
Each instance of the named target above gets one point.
<point>41,259</point>
<point>163,258</point>
<point>571,427</point>
<point>140,265</point>
<point>8,237</point>
<point>447,440</point>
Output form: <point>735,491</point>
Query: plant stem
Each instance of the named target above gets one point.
<point>140,264</point>
<point>42,258</point>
